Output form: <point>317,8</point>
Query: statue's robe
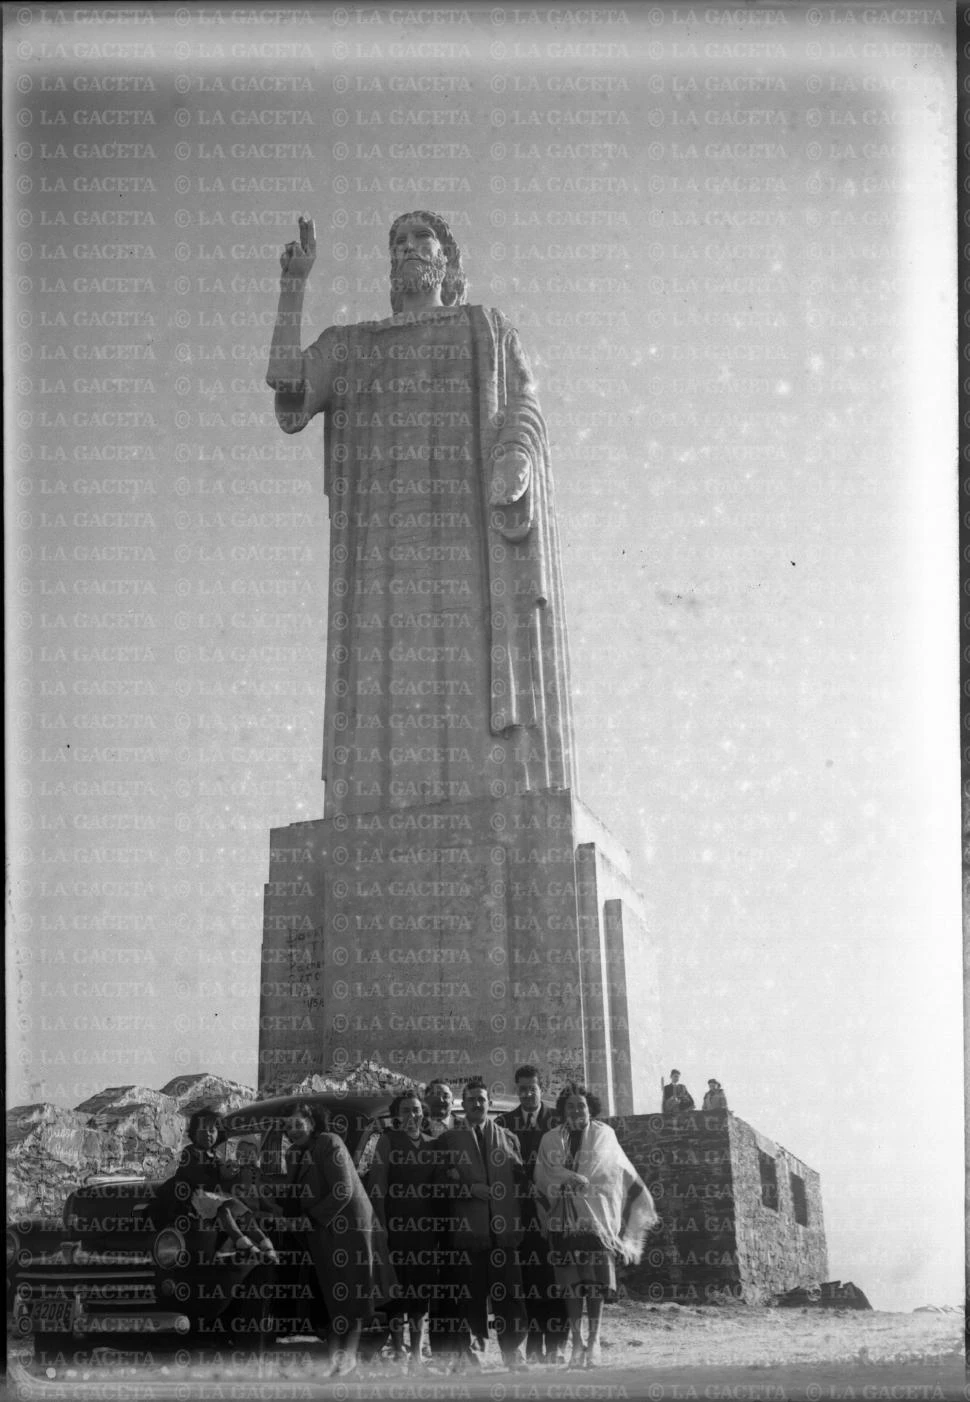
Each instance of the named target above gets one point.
<point>447,674</point>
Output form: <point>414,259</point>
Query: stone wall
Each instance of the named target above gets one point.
<point>685,1161</point>
<point>775,1252</point>
<point>716,1236</point>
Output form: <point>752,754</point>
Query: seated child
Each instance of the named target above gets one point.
<point>244,1178</point>
<point>203,1177</point>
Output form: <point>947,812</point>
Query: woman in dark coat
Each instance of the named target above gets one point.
<point>403,1192</point>
<point>348,1246</point>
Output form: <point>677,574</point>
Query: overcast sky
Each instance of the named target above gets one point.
<point>726,236</point>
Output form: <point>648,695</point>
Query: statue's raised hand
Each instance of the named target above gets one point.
<point>298,257</point>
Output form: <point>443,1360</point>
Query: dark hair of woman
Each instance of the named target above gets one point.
<point>202,1117</point>
<point>394,1109</point>
<point>318,1115</point>
<point>593,1101</point>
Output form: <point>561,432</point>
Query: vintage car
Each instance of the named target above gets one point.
<point>122,1274</point>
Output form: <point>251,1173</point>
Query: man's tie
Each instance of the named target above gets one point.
<point>480,1137</point>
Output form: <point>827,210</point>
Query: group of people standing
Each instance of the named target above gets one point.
<point>522,1217</point>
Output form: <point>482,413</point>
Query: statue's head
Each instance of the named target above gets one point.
<point>443,266</point>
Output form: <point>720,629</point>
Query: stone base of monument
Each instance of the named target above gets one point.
<point>460,939</point>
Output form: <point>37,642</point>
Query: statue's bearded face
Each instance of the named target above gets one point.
<point>418,262</point>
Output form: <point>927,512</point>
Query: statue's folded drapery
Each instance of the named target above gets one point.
<point>447,665</point>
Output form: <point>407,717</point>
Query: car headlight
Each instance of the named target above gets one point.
<point>168,1248</point>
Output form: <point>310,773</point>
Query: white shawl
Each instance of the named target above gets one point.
<point>611,1177</point>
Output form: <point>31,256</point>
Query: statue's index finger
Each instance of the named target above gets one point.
<point>308,234</point>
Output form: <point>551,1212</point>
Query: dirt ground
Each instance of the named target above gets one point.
<point>658,1353</point>
<point>738,1335</point>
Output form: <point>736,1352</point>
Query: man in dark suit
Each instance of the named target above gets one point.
<point>677,1099</point>
<point>545,1312</point>
<point>482,1169</point>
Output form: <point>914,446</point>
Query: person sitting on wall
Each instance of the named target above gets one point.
<point>677,1099</point>
<point>714,1097</point>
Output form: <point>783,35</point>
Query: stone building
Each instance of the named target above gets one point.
<point>739,1214</point>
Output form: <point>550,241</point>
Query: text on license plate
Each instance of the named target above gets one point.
<point>50,1316</point>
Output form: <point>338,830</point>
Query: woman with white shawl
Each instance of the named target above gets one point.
<point>594,1209</point>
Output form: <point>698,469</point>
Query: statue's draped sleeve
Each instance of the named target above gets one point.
<point>529,663</point>
<point>321,366</point>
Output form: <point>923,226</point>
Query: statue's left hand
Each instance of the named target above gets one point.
<point>511,476</point>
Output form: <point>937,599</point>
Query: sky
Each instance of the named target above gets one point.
<point>726,236</point>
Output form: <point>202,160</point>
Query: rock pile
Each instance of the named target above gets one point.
<point>122,1129</point>
<point>135,1129</point>
<point>367,1077</point>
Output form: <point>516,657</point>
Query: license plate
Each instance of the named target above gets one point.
<point>49,1316</point>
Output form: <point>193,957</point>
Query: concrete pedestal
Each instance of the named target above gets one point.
<point>459,939</point>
